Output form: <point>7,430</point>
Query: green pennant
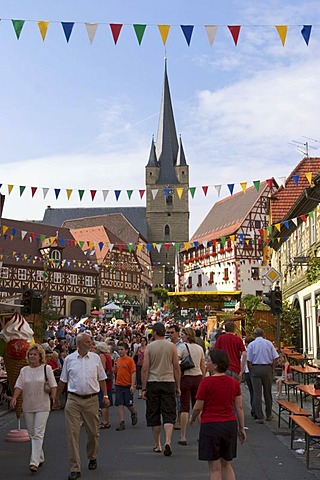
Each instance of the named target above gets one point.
<point>22,189</point>
<point>45,275</point>
<point>223,241</point>
<point>42,238</point>
<point>81,192</point>
<point>139,29</point>
<point>192,190</point>
<point>177,246</point>
<point>81,244</point>
<point>311,214</point>
<point>256,184</point>
<point>269,228</point>
<point>130,245</point>
<point>18,26</point>
<point>129,193</point>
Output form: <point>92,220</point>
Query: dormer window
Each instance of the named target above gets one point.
<point>56,255</point>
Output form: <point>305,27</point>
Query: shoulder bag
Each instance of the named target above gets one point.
<point>186,363</point>
<point>46,386</point>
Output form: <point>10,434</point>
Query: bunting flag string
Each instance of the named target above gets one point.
<point>163,29</point>
<point>92,192</point>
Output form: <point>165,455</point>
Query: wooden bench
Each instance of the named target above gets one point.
<point>311,433</point>
<point>292,409</point>
<point>290,385</point>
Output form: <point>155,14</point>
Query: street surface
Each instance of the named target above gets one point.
<point>128,454</point>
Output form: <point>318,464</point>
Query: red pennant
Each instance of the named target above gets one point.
<point>167,246</point>
<point>120,246</point>
<point>115,30</point>
<point>205,190</point>
<point>141,192</point>
<point>214,242</point>
<point>33,191</point>
<point>93,194</point>
<point>71,243</point>
<point>260,230</point>
<point>303,218</point>
<point>269,182</point>
<point>235,31</point>
<point>33,236</point>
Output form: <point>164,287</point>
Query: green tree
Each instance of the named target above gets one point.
<point>250,304</point>
<point>290,325</point>
<point>161,294</point>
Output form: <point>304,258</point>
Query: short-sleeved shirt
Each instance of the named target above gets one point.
<point>83,374</point>
<point>233,346</point>
<point>218,393</point>
<point>125,367</point>
<point>261,352</point>
<point>31,382</point>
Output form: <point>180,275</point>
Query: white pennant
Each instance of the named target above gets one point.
<point>283,180</point>
<point>295,221</point>
<point>91,30</point>
<point>205,244</point>
<point>158,247</point>
<point>105,193</point>
<point>154,193</point>
<point>218,189</point>
<point>111,245</point>
<point>211,31</point>
<point>45,192</point>
<point>23,234</point>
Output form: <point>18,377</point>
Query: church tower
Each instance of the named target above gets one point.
<point>167,188</point>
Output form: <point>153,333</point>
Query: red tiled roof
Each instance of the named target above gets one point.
<point>285,197</point>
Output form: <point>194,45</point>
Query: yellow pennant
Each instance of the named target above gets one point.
<point>4,229</point>
<point>186,245</point>
<point>69,192</point>
<point>10,187</point>
<point>180,192</point>
<point>232,238</point>
<point>309,177</point>
<point>278,226</point>
<point>282,32</point>
<point>52,239</point>
<point>164,32</point>
<point>43,27</point>
<point>243,186</point>
<point>139,247</point>
<point>91,245</point>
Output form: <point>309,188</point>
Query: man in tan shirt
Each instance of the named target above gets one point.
<point>160,385</point>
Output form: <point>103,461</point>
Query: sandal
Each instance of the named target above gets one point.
<point>157,449</point>
<point>104,425</point>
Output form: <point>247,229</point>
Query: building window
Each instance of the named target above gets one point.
<point>299,241</point>
<point>312,229</point>
<point>226,274</point>
<point>56,255</point>
<point>255,273</point>
<point>39,276</point>
<point>199,284</point>
<point>56,301</point>
<point>169,198</point>
<point>308,326</point>
<point>22,274</point>
<point>4,272</point>
<point>134,278</point>
<point>88,281</point>
<point>167,231</point>
<point>189,284</point>
<point>257,224</point>
<point>106,273</point>
<point>73,279</point>
<point>56,277</point>
<point>211,278</point>
<point>117,275</point>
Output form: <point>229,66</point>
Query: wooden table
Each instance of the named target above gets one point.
<point>306,372</point>
<point>296,358</point>
<point>310,391</point>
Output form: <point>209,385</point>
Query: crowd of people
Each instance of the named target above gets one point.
<point>103,364</point>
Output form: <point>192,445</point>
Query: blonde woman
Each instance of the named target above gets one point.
<point>36,402</point>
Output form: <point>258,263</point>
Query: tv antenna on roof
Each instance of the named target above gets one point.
<point>303,147</point>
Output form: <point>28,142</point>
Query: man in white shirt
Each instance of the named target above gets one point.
<point>84,374</point>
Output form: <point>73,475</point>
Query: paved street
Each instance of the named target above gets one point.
<point>128,454</point>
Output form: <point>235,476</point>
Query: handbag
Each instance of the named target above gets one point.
<point>46,386</point>
<point>187,363</point>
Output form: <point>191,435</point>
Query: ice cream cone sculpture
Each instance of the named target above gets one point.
<point>18,336</point>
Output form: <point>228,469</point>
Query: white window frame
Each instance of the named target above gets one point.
<point>56,255</point>
<point>56,301</point>
<point>313,231</point>
<point>57,277</point>
<point>88,281</point>
<point>39,275</point>
<point>4,272</point>
<point>73,279</point>
<point>22,274</point>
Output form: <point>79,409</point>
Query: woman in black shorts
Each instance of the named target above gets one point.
<point>218,397</point>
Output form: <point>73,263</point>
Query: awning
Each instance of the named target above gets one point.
<point>216,300</point>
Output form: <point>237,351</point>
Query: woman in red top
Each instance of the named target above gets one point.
<point>218,397</point>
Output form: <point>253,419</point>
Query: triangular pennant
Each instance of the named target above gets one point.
<point>256,184</point>
<point>187,32</point>
<point>18,26</point>
<point>167,246</point>
<point>167,192</point>
<point>115,30</point>
<point>286,223</point>
<point>158,247</point>
<point>232,238</point>
<point>101,245</point>
<point>149,247</point>
<point>164,32</point>
<point>192,191</point>
<point>33,191</point>
<point>311,214</point>
<point>57,192</point>
<point>130,245</point>
<point>117,194</point>
<point>243,185</point>
<point>111,245</point>
<point>295,221</point>
<point>4,229</point>
<point>306,32</point>
<point>45,192</point>
<point>69,192</point>
<point>67,28</point>
<point>22,189</point>
<point>269,182</point>
<point>223,241</point>
<point>154,193</point>
<point>218,189</point>
<point>179,192</point>
<point>120,247</point>
<point>129,193</point>
<point>309,177</point>
<point>186,245</point>
<point>139,247</point>
<point>278,226</point>
<point>282,32</point>
<point>10,188</point>
<point>177,246</point>
<point>295,178</point>
<point>24,233</point>
<point>93,194</point>
<point>91,30</point>
<point>43,28</point>
<point>235,31</point>
<point>303,218</point>
<point>211,32</point>
<point>231,187</point>
<point>80,192</point>
<point>139,29</point>
<point>283,180</point>
<point>205,190</point>
<point>141,193</point>
<point>105,193</point>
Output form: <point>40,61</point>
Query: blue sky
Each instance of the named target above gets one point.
<point>82,116</point>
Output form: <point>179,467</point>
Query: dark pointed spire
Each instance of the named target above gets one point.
<point>153,162</point>
<point>181,160</point>
<point>167,142</point>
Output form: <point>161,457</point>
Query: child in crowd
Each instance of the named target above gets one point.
<point>286,373</point>
<point>125,371</point>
